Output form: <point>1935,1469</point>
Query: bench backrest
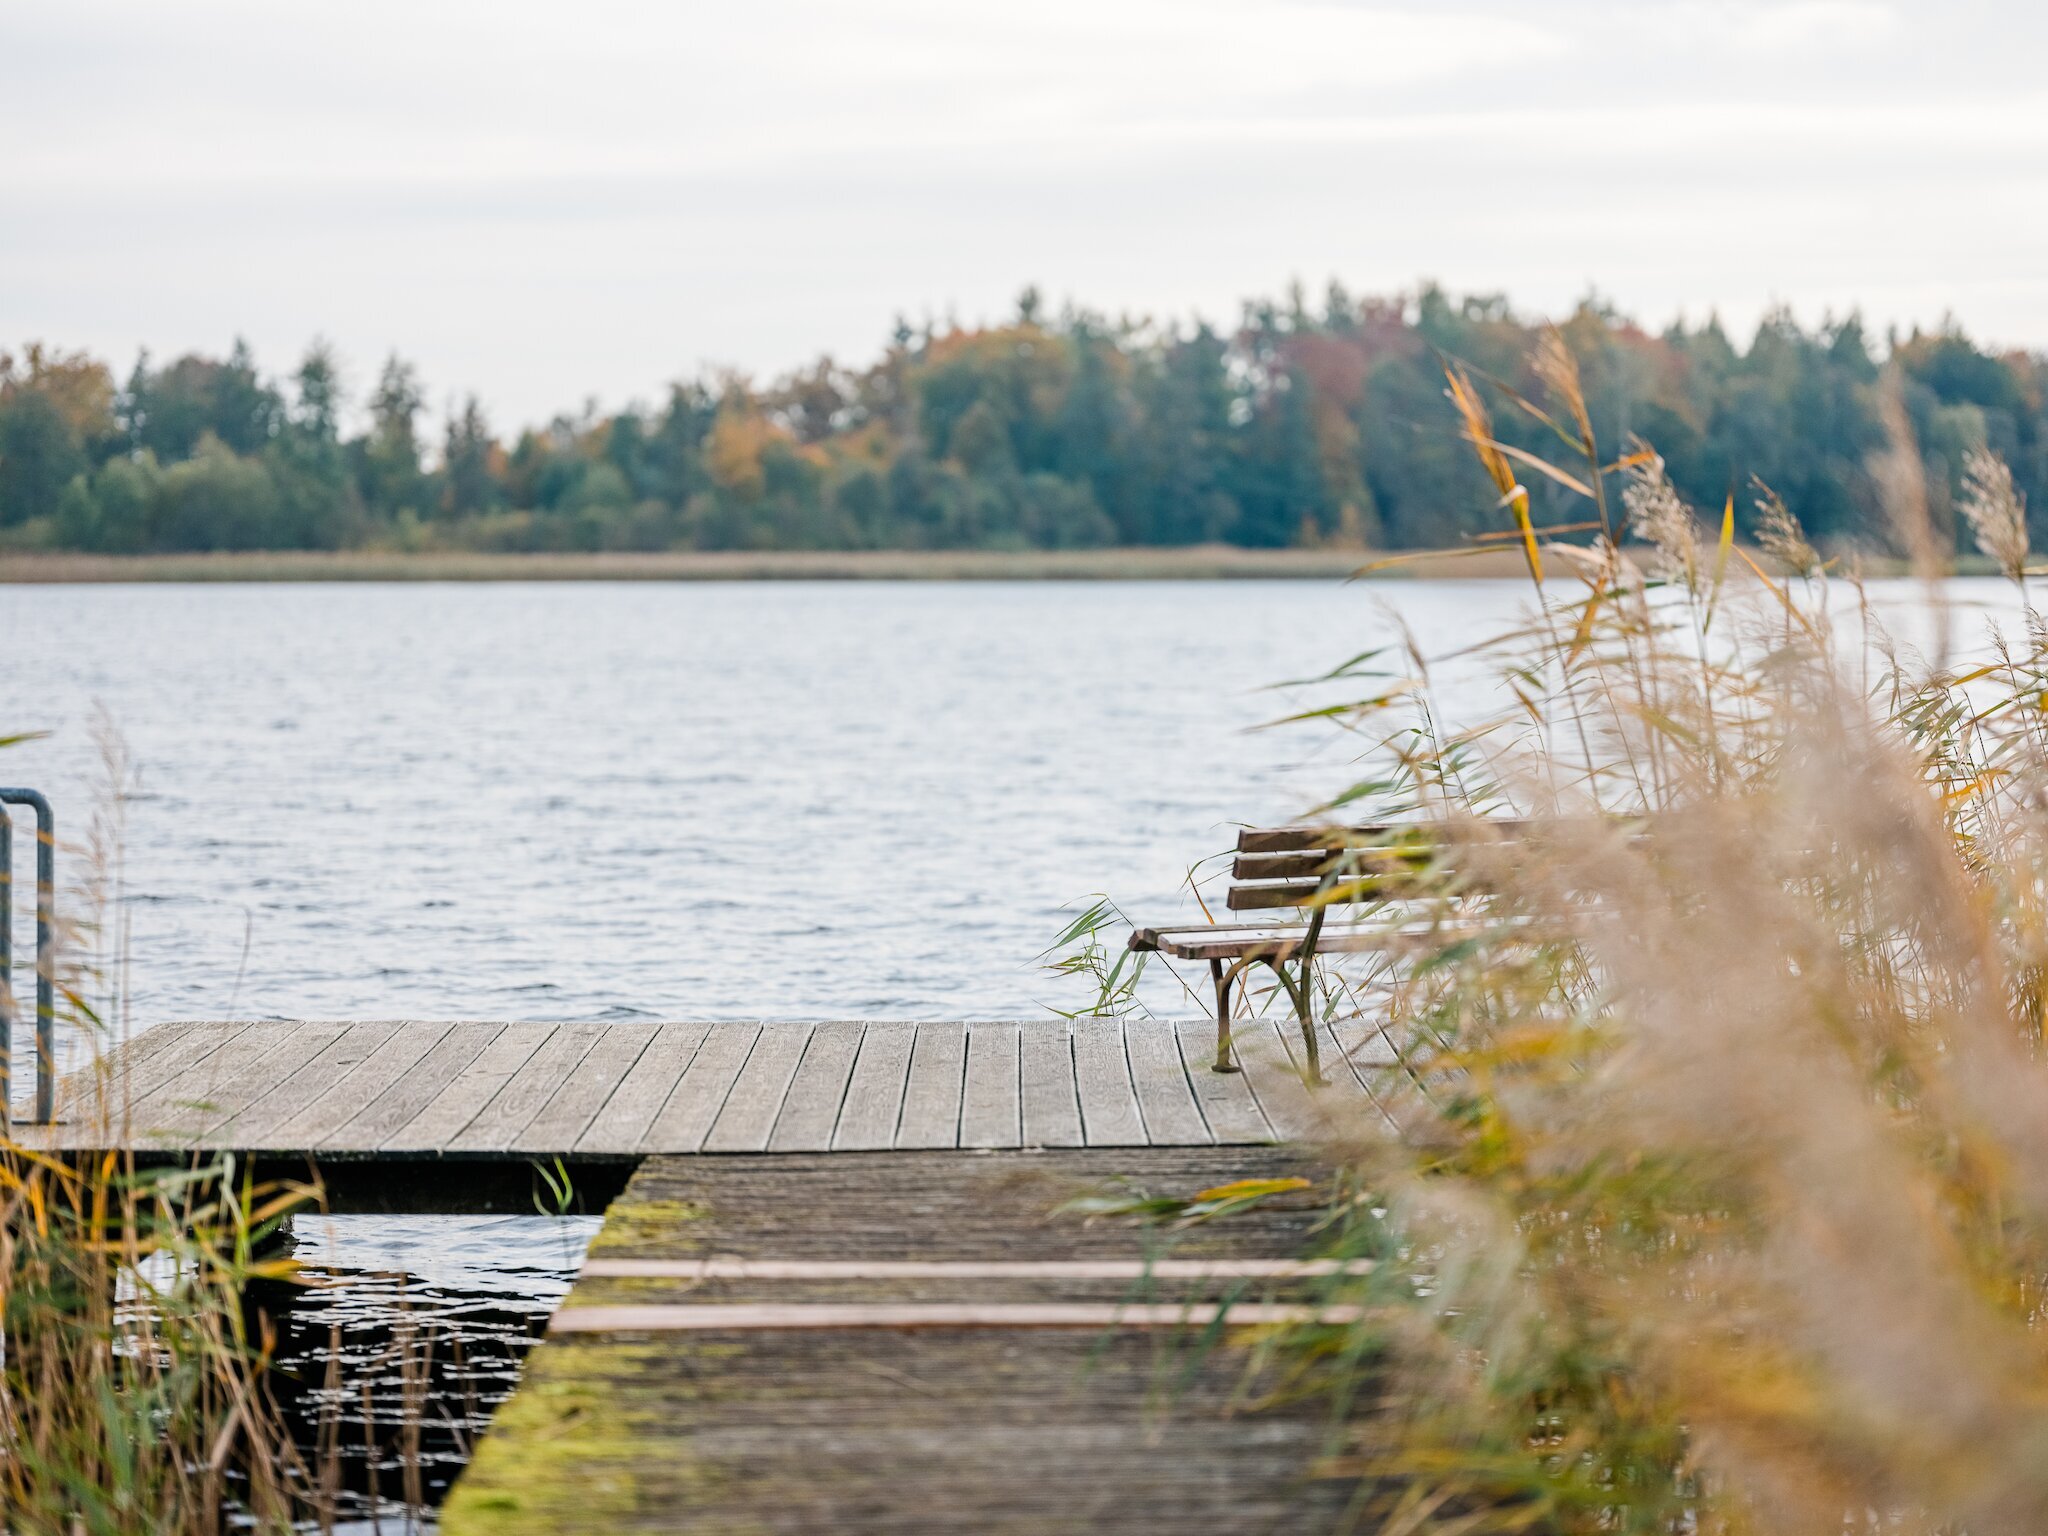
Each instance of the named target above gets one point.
<point>1331,866</point>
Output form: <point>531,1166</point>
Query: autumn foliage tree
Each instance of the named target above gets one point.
<point>1308,423</point>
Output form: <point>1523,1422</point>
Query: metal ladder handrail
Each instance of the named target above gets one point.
<point>46,995</point>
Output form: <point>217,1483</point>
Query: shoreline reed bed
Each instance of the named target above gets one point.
<point>137,1347</point>
<point>1722,1205</point>
<point>1718,1195</point>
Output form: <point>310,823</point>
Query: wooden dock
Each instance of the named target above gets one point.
<point>412,1092</point>
<point>800,1344</point>
<point>833,1292</point>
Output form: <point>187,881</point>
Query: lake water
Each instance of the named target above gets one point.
<point>667,800</point>
<point>779,800</point>
<point>567,801</point>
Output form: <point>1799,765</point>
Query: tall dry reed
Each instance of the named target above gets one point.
<point>1719,1199</point>
<point>134,1394</point>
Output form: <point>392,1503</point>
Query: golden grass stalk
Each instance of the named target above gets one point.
<point>1719,1201</point>
<point>133,1387</point>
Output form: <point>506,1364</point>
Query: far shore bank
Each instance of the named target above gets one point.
<point>1208,562</point>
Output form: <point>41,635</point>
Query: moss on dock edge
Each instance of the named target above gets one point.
<point>565,1450</point>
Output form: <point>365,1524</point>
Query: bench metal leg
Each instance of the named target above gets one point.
<point>1306,1013</point>
<point>1224,980</point>
<point>1300,993</point>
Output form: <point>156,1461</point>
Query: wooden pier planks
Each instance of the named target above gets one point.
<point>700,1093</point>
<point>1167,1102</point>
<point>1102,1073</point>
<point>874,1090</point>
<point>831,1344</point>
<point>931,1094</point>
<point>412,1090</point>
<point>630,1111</point>
<point>810,1110</point>
<point>748,1116</point>
<point>990,1114</point>
<point>1051,1104</point>
<point>1228,1107</point>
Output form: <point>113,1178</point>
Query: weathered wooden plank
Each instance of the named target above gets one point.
<point>134,1053</point>
<point>748,1117</point>
<point>184,1047</point>
<point>931,1099</point>
<point>1365,1043</point>
<point>627,1088</point>
<point>1311,865</point>
<point>810,1110</point>
<point>497,1126</point>
<point>272,1120</point>
<point>991,1112</point>
<point>586,1090</point>
<point>732,1267</point>
<point>1381,1071</point>
<point>1165,1099</point>
<point>1350,892</point>
<point>1321,864</point>
<point>1109,1104</point>
<point>846,1317</point>
<point>1345,1103</point>
<point>147,1057</point>
<point>404,1051</point>
<point>686,1118</point>
<point>1045,1075</point>
<point>1225,1098</point>
<point>843,1384</point>
<point>408,1091</point>
<point>874,1096</point>
<point>1294,839</point>
<point>1421,836</point>
<point>193,1103</point>
<point>1229,941</point>
<point>211,1086</point>
<point>623,1122</point>
<point>786,1205</point>
<point>203,1075</point>
<point>1289,1106</point>
<point>93,1101</point>
<point>443,1116</point>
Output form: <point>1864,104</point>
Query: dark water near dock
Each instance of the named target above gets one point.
<point>566,802</point>
<point>410,1337</point>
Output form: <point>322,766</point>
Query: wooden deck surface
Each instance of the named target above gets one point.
<point>411,1090</point>
<point>761,1344</point>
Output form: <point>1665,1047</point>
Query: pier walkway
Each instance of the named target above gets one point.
<point>906,1343</point>
<point>412,1092</point>
<point>840,1286</point>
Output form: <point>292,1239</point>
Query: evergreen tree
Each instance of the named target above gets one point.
<point>388,459</point>
<point>469,484</point>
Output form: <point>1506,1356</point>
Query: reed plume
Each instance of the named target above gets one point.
<point>1995,511</point>
<point>1719,1198</point>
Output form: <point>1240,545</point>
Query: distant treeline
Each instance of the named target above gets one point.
<point>1307,424</point>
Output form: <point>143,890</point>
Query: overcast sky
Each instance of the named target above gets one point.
<point>548,201</point>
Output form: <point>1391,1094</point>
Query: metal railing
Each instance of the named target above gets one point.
<point>46,938</point>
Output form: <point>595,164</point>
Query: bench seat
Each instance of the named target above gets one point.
<point>1265,941</point>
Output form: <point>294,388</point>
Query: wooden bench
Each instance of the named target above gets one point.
<point>1309,870</point>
